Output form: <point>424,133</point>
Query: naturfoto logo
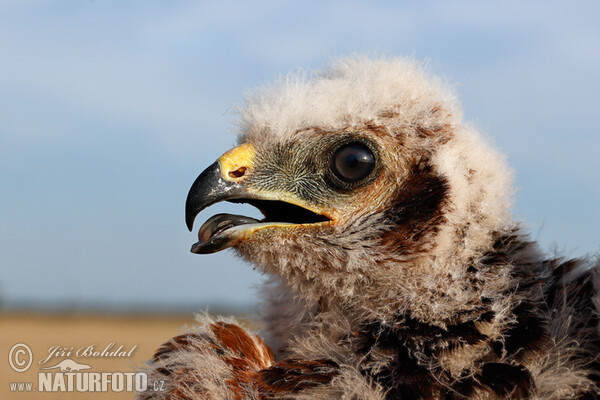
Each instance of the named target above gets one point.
<point>73,376</point>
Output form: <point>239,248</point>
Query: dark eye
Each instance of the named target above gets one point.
<point>353,162</point>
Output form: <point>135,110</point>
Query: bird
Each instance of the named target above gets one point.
<point>395,266</point>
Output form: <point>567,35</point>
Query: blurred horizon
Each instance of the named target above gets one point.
<point>109,110</point>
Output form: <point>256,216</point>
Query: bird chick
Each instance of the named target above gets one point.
<point>396,268</point>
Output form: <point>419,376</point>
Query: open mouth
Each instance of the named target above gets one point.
<point>222,230</point>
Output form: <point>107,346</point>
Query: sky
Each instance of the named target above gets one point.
<point>110,109</point>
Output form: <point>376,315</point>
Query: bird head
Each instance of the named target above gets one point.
<point>374,191</point>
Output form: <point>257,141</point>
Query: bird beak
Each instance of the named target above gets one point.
<point>219,182</point>
<point>225,180</point>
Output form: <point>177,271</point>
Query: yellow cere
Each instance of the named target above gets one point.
<point>236,161</point>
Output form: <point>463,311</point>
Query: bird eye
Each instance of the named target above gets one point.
<point>353,162</point>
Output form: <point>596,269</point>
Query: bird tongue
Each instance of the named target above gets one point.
<point>209,232</point>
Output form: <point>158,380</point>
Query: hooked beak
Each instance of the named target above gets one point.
<point>225,180</point>
<point>209,188</point>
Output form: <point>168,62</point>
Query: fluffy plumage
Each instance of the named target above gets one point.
<point>419,284</point>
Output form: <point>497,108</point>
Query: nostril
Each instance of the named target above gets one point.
<point>238,173</point>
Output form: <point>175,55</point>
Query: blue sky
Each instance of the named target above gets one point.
<point>110,109</point>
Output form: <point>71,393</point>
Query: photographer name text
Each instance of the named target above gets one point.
<point>92,350</point>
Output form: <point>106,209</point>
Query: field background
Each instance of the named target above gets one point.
<point>40,331</point>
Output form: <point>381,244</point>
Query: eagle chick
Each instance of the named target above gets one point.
<point>396,269</point>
